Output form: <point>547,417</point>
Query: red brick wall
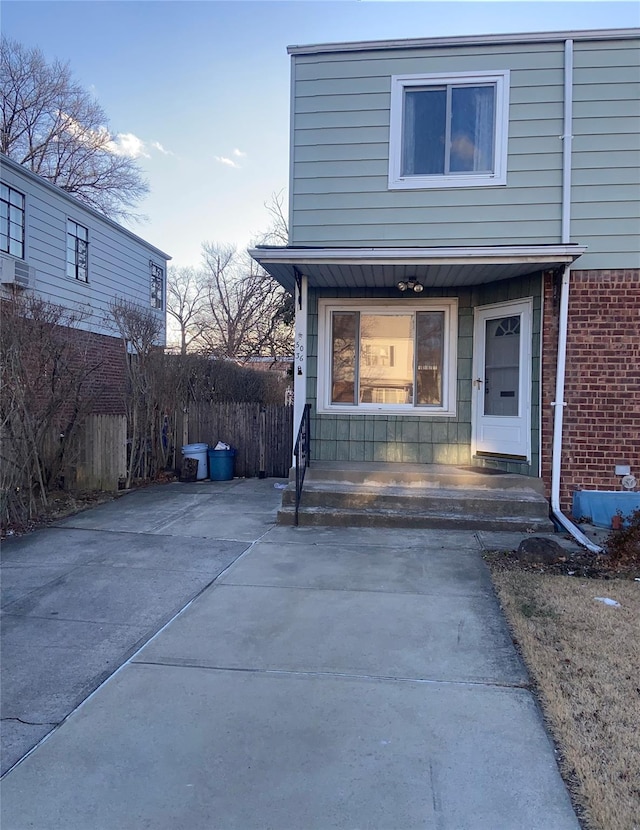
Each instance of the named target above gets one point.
<point>602,386</point>
<point>107,381</point>
<point>99,358</point>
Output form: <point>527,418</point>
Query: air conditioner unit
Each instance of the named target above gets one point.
<point>16,272</point>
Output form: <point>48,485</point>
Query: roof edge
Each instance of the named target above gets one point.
<point>5,161</point>
<point>499,253</point>
<point>465,40</point>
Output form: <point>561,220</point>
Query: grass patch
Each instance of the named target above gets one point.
<point>584,658</point>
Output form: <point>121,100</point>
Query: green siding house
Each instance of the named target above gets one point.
<point>465,253</point>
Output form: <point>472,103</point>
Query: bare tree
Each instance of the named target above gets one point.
<point>185,299</point>
<point>278,232</point>
<point>245,311</point>
<point>50,379</point>
<point>52,126</point>
<point>140,331</point>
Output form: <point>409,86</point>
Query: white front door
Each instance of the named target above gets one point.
<point>501,397</point>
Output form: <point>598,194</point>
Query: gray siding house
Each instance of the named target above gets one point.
<point>465,253</point>
<point>58,249</point>
<point>70,254</point>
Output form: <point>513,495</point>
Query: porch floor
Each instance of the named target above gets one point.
<point>382,494</point>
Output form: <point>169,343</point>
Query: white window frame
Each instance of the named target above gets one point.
<point>400,83</point>
<point>72,232</point>
<point>162,275</point>
<point>23,223</point>
<point>450,355</point>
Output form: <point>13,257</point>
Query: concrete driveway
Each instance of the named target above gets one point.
<point>314,678</point>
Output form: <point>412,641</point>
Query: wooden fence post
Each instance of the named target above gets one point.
<point>262,452</point>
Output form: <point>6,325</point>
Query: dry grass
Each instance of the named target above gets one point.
<point>584,658</point>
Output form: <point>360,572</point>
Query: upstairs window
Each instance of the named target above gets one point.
<point>157,285</point>
<point>11,221</point>
<point>449,130</point>
<point>77,251</point>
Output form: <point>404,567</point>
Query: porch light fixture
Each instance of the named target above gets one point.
<point>410,285</point>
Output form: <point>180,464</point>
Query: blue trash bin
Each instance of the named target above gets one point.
<point>221,464</point>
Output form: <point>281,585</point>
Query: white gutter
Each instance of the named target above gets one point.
<point>559,403</point>
<point>465,40</point>
<point>496,255</point>
<point>567,141</point>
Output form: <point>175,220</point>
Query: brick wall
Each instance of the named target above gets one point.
<point>106,354</point>
<point>97,358</point>
<point>602,387</point>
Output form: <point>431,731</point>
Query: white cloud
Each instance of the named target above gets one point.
<point>157,146</point>
<point>239,153</point>
<point>129,145</point>
<point>228,162</point>
<point>123,144</point>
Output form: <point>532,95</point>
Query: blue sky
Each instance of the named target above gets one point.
<point>200,90</point>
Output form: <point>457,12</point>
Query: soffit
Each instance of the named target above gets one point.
<point>438,268</point>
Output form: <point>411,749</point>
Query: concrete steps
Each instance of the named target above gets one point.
<point>417,495</point>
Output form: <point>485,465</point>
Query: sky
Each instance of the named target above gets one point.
<point>199,92</point>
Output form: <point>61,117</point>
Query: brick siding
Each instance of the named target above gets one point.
<point>108,379</point>
<point>602,386</point>
<point>103,359</point>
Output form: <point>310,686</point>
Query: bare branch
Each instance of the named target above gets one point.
<point>278,232</point>
<point>244,312</point>
<point>185,299</point>
<point>53,127</point>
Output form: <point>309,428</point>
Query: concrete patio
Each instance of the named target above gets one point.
<point>299,677</point>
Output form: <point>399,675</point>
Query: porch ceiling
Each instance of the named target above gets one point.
<point>433,267</point>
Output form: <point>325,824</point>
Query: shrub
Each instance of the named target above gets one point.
<point>623,546</point>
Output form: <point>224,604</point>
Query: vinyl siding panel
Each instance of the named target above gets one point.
<point>341,153</point>
<point>340,150</point>
<point>606,154</point>
<point>372,64</point>
<point>545,178</point>
<point>118,261</point>
<point>412,235</point>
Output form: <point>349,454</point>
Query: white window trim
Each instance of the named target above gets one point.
<point>449,373</point>
<point>77,280</point>
<point>163,269</point>
<point>401,82</point>
<point>23,255</point>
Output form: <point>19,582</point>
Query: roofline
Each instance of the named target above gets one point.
<point>466,40</point>
<point>18,168</point>
<point>501,254</point>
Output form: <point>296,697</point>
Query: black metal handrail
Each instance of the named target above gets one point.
<point>301,453</point>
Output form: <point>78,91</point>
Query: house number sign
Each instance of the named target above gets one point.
<point>299,353</point>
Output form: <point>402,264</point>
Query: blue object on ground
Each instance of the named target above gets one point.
<point>599,506</point>
<point>221,464</point>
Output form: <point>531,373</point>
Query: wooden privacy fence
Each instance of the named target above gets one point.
<point>102,459</point>
<point>262,435</point>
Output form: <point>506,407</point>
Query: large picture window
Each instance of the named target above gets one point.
<point>448,130</point>
<point>398,357</point>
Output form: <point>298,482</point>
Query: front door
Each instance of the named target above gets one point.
<point>501,397</point>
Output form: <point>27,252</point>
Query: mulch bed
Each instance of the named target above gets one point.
<point>579,563</point>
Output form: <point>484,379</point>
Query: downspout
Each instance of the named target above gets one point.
<point>559,403</point>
